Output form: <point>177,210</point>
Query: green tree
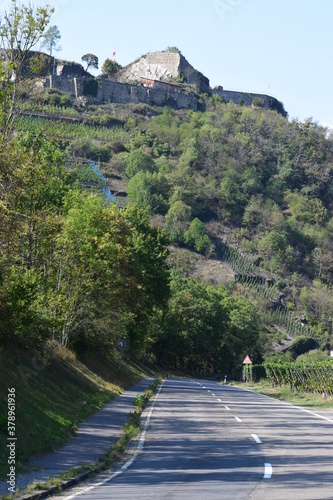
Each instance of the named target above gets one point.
<point>138,160</point>
<point>51,42</point>
<point>91,60</point>
<point>51,39</point>
<point>110,68</point>
<point>196,236</point>
<point>177,220</point>
<point>204,329</point>
<point>149,192</point>
<point>21,29</point>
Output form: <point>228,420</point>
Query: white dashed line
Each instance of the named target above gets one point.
<point>238,419</point>
<point>226,407</point>
<point>220,400</point>
<point>213,394</point>
<point>268,471</point>
<point>255,437</point>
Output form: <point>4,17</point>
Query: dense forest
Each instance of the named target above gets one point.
<point>238,185</point>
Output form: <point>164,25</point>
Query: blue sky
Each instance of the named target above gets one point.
<point>279,47</point>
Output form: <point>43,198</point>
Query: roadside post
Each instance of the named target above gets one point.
<point>247,362</point>
<point>122,344</point>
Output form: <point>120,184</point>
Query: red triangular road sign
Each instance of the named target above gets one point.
<point>247,361</point>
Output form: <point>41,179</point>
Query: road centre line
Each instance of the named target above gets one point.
<point>257,440</point>
<point>268,471</point>
<point>129,462</point>
<point>238,419</point>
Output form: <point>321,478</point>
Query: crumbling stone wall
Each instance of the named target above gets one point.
<point>126,93</point>
<point>250,99</point>
<point>109,91</point>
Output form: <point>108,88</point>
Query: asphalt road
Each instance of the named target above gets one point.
<point>207,441</point>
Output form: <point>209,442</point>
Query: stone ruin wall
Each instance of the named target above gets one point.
<point>126,93</point>
<point>249,99</point>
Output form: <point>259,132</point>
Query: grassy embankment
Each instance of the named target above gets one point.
<point>285,393</point>
<point>53,394</point>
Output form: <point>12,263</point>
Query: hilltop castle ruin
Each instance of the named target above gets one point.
<point>158,78</point>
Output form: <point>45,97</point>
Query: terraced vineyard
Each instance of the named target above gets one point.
<point>251,276</point>
<point>67,130</point>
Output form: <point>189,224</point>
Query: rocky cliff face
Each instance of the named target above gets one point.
<point>164,66</point>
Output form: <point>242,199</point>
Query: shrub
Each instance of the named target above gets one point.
<point>303,344</point>
<point>90,149</point>
<point>137,161</point>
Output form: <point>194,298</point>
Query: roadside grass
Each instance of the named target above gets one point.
<point>285,393</point>
<point>55,392</point>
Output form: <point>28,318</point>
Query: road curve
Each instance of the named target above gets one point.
<point>211,441</point>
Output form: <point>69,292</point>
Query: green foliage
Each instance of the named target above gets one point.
<point>196,236</point>
<point>173,49</point>
<point>91,60</point>
<point>138,161</point>
<point>308,377</point>
<point>91,149</point>
<point>55,97</point>
<point>301,345</point>
<point>77,256</point>
<point>22,27</point>
<point>204,330</point>
<point>110,68</point>
<point>69,130</point>
<point>313,356</point>
<point>177,220</point>
<point>50,40</point>
<point>149,192</point>
<point>85,174</point>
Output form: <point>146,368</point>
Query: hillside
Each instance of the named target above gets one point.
<point>230,175</point>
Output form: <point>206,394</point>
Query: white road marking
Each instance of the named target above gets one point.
<point>255,437</point>
<point>208,390</point>
<point>283,403</point>
<point>226,407</point>
<point>220,400</point>
<point>129,462</point>
<point>268,471</point>
<point>203,387</point>
<point>238,419</point>
<point>213,394</point>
